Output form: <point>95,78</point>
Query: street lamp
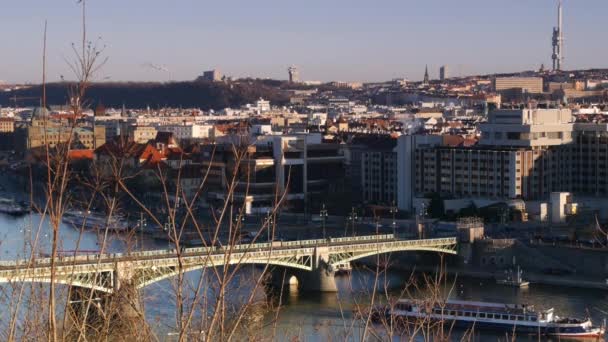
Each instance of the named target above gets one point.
<point>420,217</point>
<point>269,223</point>
<point>352,217</point>
<point>393,211</point>
<point>323,215</point>
<point>141,224</point>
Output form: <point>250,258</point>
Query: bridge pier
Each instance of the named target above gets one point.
<point>320,279</point>
<point>116,314</point>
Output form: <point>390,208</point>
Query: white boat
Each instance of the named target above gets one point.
<point>90,220</point>
<point>513,278</point>
<point>510,318</point>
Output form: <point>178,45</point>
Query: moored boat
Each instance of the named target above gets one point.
<point>91,220</point>
<point>10,207</point>
<point>514,279</point>
<point>510,318</point>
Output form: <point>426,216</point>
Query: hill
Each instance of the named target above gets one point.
<point>204,95</point>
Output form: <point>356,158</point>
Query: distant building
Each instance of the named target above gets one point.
<point>443,73</point>
<point>211,76</point>
<point>44,130</point>
<point>189,132</point>
<point>262,105</point>
<point>142,134</point>
<point>7,125</point>
<point>532,85</point>
<point>294,74</point>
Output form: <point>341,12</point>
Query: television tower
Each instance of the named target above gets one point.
<point>558,41</point>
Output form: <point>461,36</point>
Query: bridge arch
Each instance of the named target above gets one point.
<point>169,272</point>
<point>341,258</point>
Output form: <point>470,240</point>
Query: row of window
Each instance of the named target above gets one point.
<point>484,315</point>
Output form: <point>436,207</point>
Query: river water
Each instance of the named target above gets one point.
<point>314,316</point>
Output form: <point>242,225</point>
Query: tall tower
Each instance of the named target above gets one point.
<point>443,73</point>
<point>294,74</point>
<point>426,75</point>
<point>558,41</point>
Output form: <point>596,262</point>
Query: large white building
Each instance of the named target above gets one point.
<point>189,131</point>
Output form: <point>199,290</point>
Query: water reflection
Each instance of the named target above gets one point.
<point>310,316</point>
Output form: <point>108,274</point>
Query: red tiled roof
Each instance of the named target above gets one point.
<point>81,154</point>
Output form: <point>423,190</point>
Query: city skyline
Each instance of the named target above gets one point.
<point>360,42</point>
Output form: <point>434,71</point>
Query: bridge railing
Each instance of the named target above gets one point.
<point>208,250</point>
<point>362,238</point>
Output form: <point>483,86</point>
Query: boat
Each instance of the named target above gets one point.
<point>509,318</point>
<point>10,207</point>
<point>91,220</point>
<point>513,279</point>
<point>343,268</point>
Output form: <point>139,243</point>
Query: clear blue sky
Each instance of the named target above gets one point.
<point>347,40</point>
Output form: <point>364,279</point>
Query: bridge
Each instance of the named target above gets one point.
<point>313,262</point>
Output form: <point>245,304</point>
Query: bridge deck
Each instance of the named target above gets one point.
<point>276,248</point>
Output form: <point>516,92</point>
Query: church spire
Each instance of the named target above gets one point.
<point>426,75</point>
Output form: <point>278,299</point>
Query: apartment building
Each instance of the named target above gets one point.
<point>372,168</point>
<point>189,132</point>
<point>525,154</point>
<point>300,166</point>
<point>141,134</point>
<point>7,125</point>
<point>532,85</point>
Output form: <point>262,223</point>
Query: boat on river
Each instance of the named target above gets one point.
<point>94,221</point>
<point>508,318</point>
<point>10,207</point>
<point>513,278</point>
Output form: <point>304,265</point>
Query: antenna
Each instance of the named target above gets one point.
<point>558,40</point>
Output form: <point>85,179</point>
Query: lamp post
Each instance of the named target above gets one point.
<point>393,211</point>
<point>352,217</point>
<point>421,224</point>
<point>323,215</point>
<point>239,220</point>
<point>141,224</point>
<point>269,223</point>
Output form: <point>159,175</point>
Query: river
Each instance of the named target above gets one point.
<point>316,316</point>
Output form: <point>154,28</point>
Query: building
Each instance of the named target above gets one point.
<point>294,74</point>
<point>443,73</point>
<point>522,154</point>
<point>7,134</point>
<point>425,80</point>
<point>302,167</point>
<point>262,105</point>
<point>43,130</point>
<point>7,125</point>
<point>189,132</point>
<point>141,134</point>
<point>373,169</point>
<point>211,76</point>
<point>532,85</point>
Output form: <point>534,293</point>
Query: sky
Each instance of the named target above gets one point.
<point>345,40</point>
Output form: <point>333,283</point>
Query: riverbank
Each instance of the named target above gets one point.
<point>532,277</point>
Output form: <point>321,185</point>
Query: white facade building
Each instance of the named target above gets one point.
<point>193,131</point>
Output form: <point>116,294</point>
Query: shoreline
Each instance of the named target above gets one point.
<point>532,277</point>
